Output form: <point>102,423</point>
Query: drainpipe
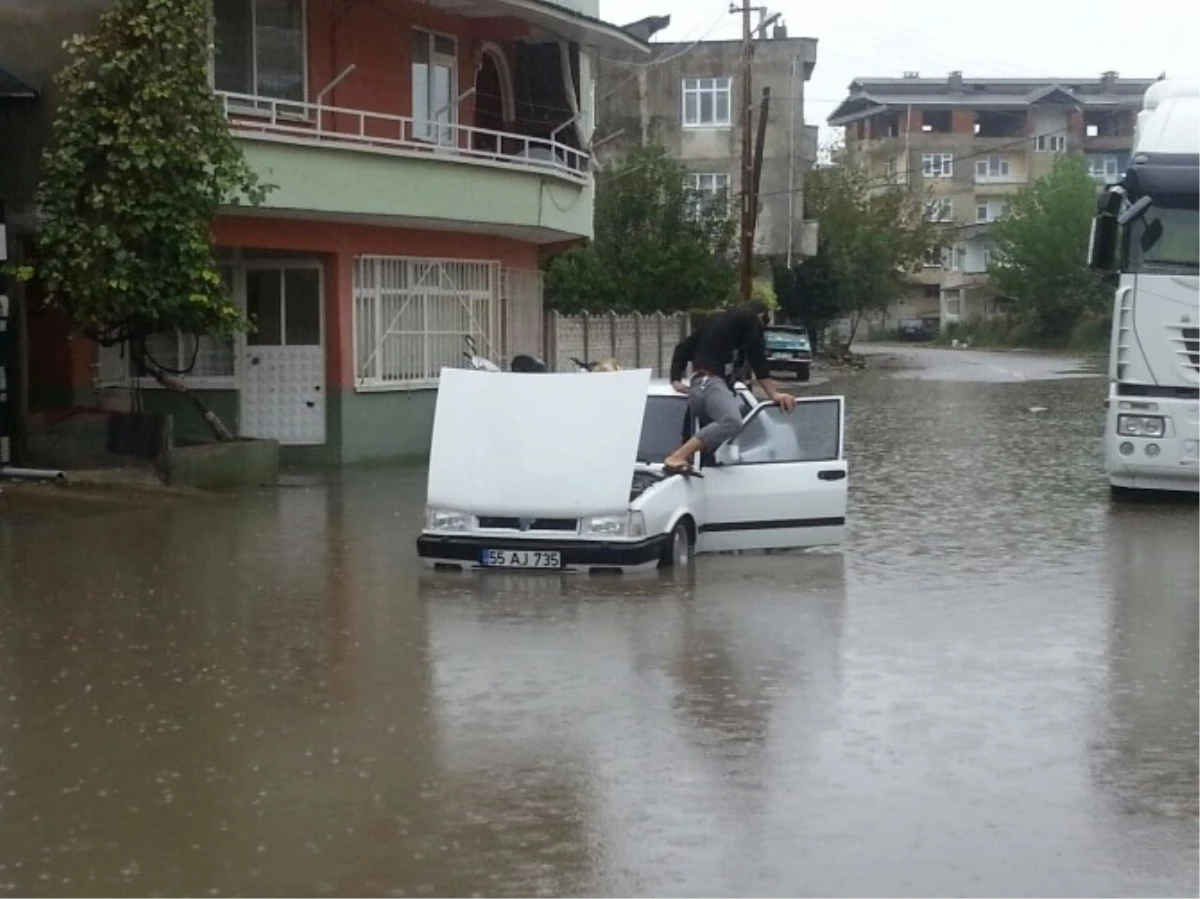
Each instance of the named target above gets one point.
<point>791,162</point>
<point>33,474</point>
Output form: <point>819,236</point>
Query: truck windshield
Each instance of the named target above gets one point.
<point>1164,240</point>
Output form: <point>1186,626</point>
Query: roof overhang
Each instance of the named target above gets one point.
<point>581,29</point>
<point>13,88</point>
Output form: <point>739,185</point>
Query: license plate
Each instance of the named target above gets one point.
<point>520,558</point>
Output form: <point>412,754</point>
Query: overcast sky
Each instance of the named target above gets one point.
<point>1015,38</point>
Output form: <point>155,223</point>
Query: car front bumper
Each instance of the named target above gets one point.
<point>465,552</point>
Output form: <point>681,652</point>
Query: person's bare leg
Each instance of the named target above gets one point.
<point>684,455</point>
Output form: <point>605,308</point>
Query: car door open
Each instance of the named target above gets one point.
<point>781,483</point>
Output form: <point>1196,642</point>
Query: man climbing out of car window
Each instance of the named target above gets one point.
<point>711,350</point>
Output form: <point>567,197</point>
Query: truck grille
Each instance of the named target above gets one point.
<point>1186,342</point>
<point>504,523</point>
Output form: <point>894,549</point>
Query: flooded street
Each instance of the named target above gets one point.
<point>990,691</point>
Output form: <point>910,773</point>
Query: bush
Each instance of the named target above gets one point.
<point>1093,334</point>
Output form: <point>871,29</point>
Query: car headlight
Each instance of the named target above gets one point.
<point>1141,426</point>
<point>446,520</point>
<point>624,524</point>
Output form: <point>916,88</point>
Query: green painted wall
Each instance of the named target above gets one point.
<point>386,426</point>
<point>339,181</point>
<point>360,427</point>
<point>188,423</point>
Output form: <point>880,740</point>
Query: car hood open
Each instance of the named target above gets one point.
<point>519,444</point>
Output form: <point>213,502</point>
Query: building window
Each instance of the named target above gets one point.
<point>1105,169</point>
<point>935,257</point>
<point>199,359</point>
<point>940,209</point>
<point>937,165</point>
<point>259,48</point>
<point>706,102</point>
<point>1051,143</point>
<point>992,167</point>
<point>707,191</point>
<point>953,303</point>
<point>412,317</point>
<point>434,86</point>
<point>987,256</point>
<point>990,210</point>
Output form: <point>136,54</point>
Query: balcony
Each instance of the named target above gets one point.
<point>1005,179</point>
<point>328,160</point>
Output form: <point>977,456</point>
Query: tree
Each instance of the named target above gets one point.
<point>807,295</point>
<point>141,161</point>
<point>1040,253</point>
<point>659,246</point>
<point>872,233</point>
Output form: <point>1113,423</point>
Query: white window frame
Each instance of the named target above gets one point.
<point>118,358</point>
<point>370,362</point>
<point>955,297</point>
<point>707,187</point>
<point>245,109</point>
<point>993,167</point>
<point>1051,143</point>
<point>944,208</point>
<point>937,165</point>
<point>431,130</point>
<point>1110,166</point>
<point>722,85</point>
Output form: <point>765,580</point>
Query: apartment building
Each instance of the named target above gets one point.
<point>687,98</point>
<point>969,144</point>
<point>426,153</point>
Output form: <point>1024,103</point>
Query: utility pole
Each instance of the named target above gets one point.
<point>748,190</point>
<point>759,141</point>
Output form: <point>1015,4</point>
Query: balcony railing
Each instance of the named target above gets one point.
<point>335,126</point>
<point>1010,178</point>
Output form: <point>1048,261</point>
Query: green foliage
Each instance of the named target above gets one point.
<point>807,295</point>
<point>764,293</point>
<point>651,252</point>
<point>1040,257</point>
<point>142,159</point>
<point>870,236</point>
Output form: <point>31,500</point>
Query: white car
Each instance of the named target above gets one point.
<point>563,472</point>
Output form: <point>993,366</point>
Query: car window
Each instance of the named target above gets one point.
<point>811,433</point>
<point>662,427</point>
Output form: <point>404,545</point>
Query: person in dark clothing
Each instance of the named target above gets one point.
<point>711,351</point>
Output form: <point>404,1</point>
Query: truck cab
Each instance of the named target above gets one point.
<point>1144,240</point>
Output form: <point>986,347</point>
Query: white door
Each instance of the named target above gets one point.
<point>283,357</point>
<point>781,482</point>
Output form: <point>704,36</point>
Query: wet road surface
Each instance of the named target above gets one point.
<point>990,691</point>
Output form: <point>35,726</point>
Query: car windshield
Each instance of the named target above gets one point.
<point>662,427</point>
<point>781,339</point>
<point>1165,238</point>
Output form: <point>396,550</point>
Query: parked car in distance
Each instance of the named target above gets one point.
<point>790,350</point>
<point>563,472</point>
<point>917,329</point>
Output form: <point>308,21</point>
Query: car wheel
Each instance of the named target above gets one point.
<point>802,373</point>
<point>679,551</point>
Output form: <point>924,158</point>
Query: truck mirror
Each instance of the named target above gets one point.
<point>1102,246</point>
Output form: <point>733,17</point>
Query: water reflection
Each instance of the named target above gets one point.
<point>1148,759</point>
<point>655,699</point>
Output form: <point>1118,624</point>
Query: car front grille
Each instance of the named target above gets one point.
<point>508,523</point>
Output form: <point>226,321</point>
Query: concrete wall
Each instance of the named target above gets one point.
<point>645,103</point>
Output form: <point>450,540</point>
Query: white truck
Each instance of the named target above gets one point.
<point>1145,239</point>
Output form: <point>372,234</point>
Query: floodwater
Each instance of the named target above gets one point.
<point>990,691</point>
